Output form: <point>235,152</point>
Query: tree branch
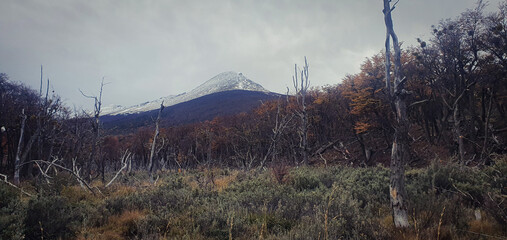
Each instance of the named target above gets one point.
<point>14,186</point>
<point>418,102</point>
<point>81,180</point>
<point>124,161</point>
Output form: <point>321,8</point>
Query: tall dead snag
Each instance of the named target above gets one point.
<point>400,149</point>
<point>23,149</point>
<point>301,86</point>
<point>157,132</point>
<point>17,162</point>
<point>281,123</point>
<point>95,129</point>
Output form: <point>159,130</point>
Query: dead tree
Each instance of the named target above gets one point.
<point>75,171</point>
<point>281,123</point>
<point>301,86</point>
<point>23,151</point>
<point>41,111</point>
<point>400,148</point>
<point>125,160</point>
<point>95,129</point>
<point>157,132</point>
<point>17,162</point>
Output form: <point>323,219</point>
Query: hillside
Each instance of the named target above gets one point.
<point>226,81</point>
<point>197,110</point>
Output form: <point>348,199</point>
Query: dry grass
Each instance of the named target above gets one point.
<point>77,194</point>
<point>212,179</point>
<point>122,190</point>
<point>280,173</point>
<point>222,182</point>
<point>485,228</point>
<point>117,227</point>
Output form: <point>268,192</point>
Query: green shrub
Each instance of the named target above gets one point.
<point>51,217</point>
<point>12,213</point>
<point>304,179</point>
<point>310,203</point>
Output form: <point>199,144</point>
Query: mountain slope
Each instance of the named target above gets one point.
<point>222,82</point>
<point>197,110</point>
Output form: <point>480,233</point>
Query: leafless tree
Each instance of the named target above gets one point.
<point>17,163</point>
<point>153,144</point>
<point>24,149</point>
<point>95,128</point>
<point>400,148</point>
<point>301,86</point>
<point>281,123</point>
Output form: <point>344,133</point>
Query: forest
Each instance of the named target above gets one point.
<point>313,165</point>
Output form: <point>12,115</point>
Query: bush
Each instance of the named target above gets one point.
<point>307,203</point>
<point>51,217</point>
<point>12,213</point>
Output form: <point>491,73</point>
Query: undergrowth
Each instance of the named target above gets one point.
<point>445,201</point>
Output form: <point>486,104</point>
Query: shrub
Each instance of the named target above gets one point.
<point>12,213</point>
<point>304,179</point>
<point>51,217</point>
<point>309,203</point>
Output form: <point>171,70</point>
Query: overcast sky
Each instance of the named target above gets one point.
<point>150,49</point>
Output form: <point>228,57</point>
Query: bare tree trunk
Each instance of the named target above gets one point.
<point>39,122</point>
<point>400,149</point>
<point>22,153</point>
<point>281,123</point>
<point>95,128</point>
<point>129,165</point>
<point>456,115</point>
<point>459,134</point>
<point>151,163</point>
<point>17,162</point>
<point>399,156</point>
<point>301,88</point>
<point>485,151</point>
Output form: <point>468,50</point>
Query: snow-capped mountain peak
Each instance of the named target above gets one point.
<point>222,82</point>
<point>227,81</point>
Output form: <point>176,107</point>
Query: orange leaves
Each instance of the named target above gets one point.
<point>363,101</point>
<point>361,127</point>
<point>365,94</point>
<point>319,100</point>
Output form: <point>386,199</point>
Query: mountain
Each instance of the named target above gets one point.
<point>227,93</point>
<point>196,110</point>
<point>222,82</point>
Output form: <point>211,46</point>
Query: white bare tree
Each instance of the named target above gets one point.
<point>301,86</point>
<point>400,148</point>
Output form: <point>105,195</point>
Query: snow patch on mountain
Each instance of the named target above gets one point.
<point>222,82</point>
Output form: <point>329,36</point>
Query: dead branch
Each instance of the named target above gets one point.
<point>124,161</point>
<point>325,147</point>
<point>75,172</point>
<point>49,166</point>
<point>46,177</point>
<point>418,102</point>
<point>157,132</point>
<point>14,186</point>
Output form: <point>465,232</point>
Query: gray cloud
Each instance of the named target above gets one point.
<point>149,49</point>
